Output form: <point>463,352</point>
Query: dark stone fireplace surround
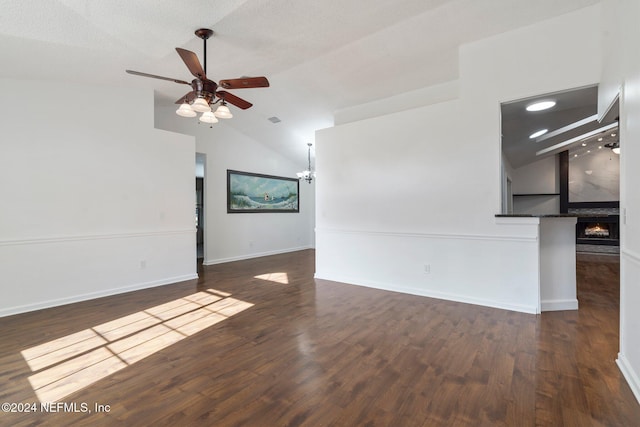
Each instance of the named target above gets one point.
<point>607,214</point>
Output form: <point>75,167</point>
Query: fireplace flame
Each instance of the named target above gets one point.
<point>596,230</point>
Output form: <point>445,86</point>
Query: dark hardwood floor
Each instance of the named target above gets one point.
<point>261,343</point>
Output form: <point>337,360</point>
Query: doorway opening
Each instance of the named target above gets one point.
<point>199,208</point>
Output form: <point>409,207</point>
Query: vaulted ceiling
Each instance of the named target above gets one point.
<point>320,56</point>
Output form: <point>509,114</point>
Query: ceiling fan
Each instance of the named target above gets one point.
<point>205,92</point>
<point>614,146</point>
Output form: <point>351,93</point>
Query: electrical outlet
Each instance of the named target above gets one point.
<point>143,264</point>
<point>427,268</point>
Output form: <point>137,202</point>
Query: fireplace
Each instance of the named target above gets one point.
<point>598,230</point>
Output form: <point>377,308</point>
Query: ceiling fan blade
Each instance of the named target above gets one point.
<point>191,61</point>
<point>232,99</point>
<point>187,97</point>
<point>244,83</point>
<point>153,76</point>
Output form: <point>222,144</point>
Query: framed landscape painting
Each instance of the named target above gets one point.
<point>257,193</point>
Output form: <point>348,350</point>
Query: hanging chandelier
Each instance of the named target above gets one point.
<point>201,105</point>
<point>308,175</point>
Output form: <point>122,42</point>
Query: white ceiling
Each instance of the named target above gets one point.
<point>572,107</point>
<point>320,56</point>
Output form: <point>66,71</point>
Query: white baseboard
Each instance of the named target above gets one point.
<point>93,295</point>
<point>559,305</point>
<point>630,375</point>
<point>427,293</point>
<point>254,255</point>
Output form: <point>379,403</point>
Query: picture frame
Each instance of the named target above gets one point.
<point>249,192</point>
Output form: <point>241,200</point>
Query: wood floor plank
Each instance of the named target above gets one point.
<point>263,343</point>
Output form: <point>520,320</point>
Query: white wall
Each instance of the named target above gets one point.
<point>230,237</point>
<point>558,290</point>
<point>400,102</point>
<point>623,70</point>
<point>94,200</point>
<point>539,177</point>
<point>422,187</point>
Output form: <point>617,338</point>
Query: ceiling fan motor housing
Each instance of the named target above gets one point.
<point>205,89</point>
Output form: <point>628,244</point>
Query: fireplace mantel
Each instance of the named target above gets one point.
<point>561,215</point>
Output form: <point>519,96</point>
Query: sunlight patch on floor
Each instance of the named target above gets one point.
<point>280,277</point>
<point>68,364</point>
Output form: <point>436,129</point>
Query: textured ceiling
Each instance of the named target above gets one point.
<point>320,56</point>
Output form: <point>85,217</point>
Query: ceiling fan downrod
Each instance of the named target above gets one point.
<point>204,34</point>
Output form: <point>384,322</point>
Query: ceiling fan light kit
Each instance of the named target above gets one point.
<point>205,92</point>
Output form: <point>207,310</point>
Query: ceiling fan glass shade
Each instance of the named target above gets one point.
<point>208,117</point>
<point>616,150</point>
<point>223,112</point>
<point>201,105</point>
<point>185,110</point>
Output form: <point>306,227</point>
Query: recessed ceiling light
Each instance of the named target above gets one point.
<point>613,134</point>
<point>599,139</point>
<point>599,147</point>
<point>584,144</point>
<point>538,133</point>
<point>539,106</point>
<point>575,155</point>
